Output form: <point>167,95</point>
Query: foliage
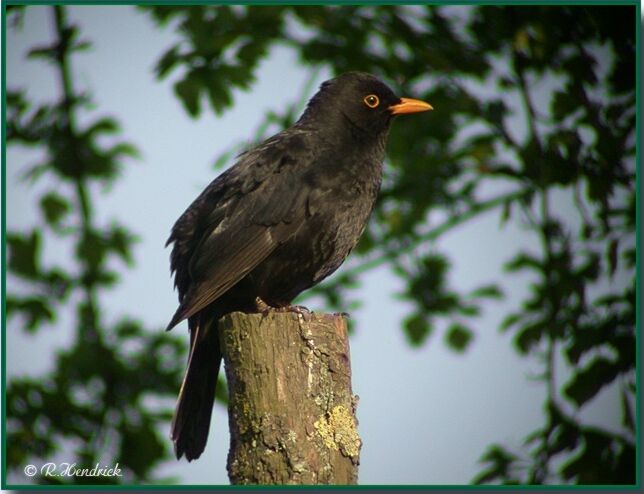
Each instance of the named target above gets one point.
<point>535,101</point>
<point>91,403</point>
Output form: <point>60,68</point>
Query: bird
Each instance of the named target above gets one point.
<point>280,220</point>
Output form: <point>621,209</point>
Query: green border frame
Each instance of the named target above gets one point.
<point>317,2</point>
<point>120,487</point>
<point>3,234</point>
<point>638,259</point>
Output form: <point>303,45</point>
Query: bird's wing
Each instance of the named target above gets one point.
<point>224,266</point>
<point>267,208</point>
<point>205,212</point>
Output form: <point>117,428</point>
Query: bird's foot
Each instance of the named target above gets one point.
<point>298,309</point>
<point>343,314</point>
<point>264,308</point>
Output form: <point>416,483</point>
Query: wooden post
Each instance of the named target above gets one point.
<point>291,408</point>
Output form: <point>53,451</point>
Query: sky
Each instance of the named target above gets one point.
<point>426,415</point>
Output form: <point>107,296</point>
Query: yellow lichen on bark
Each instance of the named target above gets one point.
<point>338,431</point>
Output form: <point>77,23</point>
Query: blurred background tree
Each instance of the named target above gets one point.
<point>537,120</point>
<point>93,402</point>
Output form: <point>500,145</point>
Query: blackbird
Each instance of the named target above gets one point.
<point>279,221</point>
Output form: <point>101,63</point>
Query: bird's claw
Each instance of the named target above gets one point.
<point>298,309</point>
<point>264,309</point>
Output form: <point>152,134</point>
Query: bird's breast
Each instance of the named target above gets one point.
<point>336,215</point>
<point>338,195</point>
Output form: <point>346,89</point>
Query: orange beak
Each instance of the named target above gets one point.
<point>408,105</point>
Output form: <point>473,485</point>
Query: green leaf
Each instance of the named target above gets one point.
<point>603,459</point>
<point>510,320</point>
<point>82,46</point>
<point>530,335</point>
<point>417,329</point>
<point>54,207</point>
<point>45,51</point>
<point>495,112</point>
<point>60,283</point>
<point>91,249</point>
<point>102,126</point>
<point>487,291</point>
<point>469,310</point>
<point>612,256</point>
<point>591,269</point>
<point>524,260</point>
<point>189,92</point>
<point>36,310</point>
<point>628,420</point>
<point>586,383</point>
<point>17,103</point>
<point>249,52</point>
<point>223,159</point>
<point>24,254</point>
<point>500,462</point>
<point>507,211</point>
<point>564,104</point>
<point>220,97</point>
<point>458,337</point>
<point>128,329</point>
<point>481,148</point>
<point>167,62</point>
<point>122,149</point>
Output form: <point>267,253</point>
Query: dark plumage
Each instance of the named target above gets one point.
<point>282,219</point>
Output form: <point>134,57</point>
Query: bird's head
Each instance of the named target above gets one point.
<point>361,101</point>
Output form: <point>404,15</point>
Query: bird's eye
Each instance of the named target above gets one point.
<point>371,101</point>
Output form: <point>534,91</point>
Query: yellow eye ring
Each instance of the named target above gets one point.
<point>372,101</point>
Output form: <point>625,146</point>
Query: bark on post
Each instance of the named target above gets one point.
<point>291,408</point>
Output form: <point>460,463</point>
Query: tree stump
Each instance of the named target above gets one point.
<point>291,408</point>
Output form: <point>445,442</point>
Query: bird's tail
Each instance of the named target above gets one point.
<point>191,421</point>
